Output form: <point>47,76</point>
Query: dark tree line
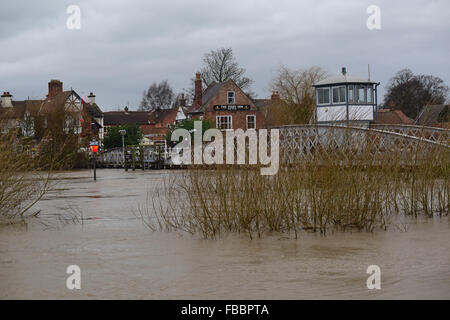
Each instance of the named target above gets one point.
<point>410,93</point>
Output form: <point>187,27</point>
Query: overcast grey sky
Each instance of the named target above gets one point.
<point>124,46</point>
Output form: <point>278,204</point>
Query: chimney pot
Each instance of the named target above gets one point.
<point>275,95</point>
<point>91,98</point>
<point>6,101</point>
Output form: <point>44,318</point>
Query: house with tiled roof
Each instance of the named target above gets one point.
<point>162,121</point>
<point>392,116</point>
<point>32,117</point>
<point>226,106</point>
<point>118,118</point>
<point>154,124</point>
<point>434,116</point>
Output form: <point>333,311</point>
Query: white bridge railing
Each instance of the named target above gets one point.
<point>380,143</point>
<point>115,157</point>
<point>299,143</point>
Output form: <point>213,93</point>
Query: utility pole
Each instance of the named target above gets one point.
<point>123,132</point>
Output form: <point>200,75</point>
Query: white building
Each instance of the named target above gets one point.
<point>344,99</point>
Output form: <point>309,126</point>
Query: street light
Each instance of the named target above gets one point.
<point>123,132</point>
<point>94,148</point>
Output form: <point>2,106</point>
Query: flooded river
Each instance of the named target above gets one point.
<point>121,259</point>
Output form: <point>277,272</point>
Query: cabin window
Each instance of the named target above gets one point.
<point>231,97</point>
<point>224,122</point>
<point>339,95</point>
<point>369,95</point>
<point>351,94</point>
<point>251,122</point>
<point>361,94</point>
<point>323,96</point>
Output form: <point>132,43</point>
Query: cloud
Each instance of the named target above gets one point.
<point>124,46</point>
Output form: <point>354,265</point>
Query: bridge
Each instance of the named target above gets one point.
<point>378,143</point>
<point>300,143</point>
<point>144,157</point>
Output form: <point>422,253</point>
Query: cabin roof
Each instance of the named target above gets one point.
<point>343,79</point>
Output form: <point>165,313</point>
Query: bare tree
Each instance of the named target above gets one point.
<point>297,96</point>
<point>159,95</point>
<point>410,93</point>
<point>220,65</point>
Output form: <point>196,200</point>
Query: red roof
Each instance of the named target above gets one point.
<point>389,116</point>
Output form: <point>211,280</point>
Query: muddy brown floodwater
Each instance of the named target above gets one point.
<point>122,259</point>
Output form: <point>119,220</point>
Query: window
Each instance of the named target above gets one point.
<point>251,122</point>
<point>230,97</point>
<point>351,94</point>
<point>323,95</point>
<point>369,95</point>
<point>339,95</point>
<point>361,94</point>
<point>224,122</point>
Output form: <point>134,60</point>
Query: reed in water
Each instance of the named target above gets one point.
<point>342,191</point>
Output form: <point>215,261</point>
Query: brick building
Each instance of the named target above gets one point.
<point>32,117</point>
<point>226,106</point>
<point>154,124</point>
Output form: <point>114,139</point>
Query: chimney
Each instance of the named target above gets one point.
<point>198,91</point>
<point>6,100</point>
<point>275,95</point>
<point>54,87</point>
<point>344,71</point>
<point>182,101</point>
<point>91,98</point>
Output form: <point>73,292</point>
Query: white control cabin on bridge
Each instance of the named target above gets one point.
<point>344,99</point>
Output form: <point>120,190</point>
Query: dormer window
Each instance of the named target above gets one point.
<point>231,99</point>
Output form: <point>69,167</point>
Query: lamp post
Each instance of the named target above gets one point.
<point>123,132</point>
<point>94,149</point>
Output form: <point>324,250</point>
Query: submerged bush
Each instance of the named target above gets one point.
<point>26,173</point>
<point>342,191</point>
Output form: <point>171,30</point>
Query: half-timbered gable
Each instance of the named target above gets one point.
<point>63,110</point>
